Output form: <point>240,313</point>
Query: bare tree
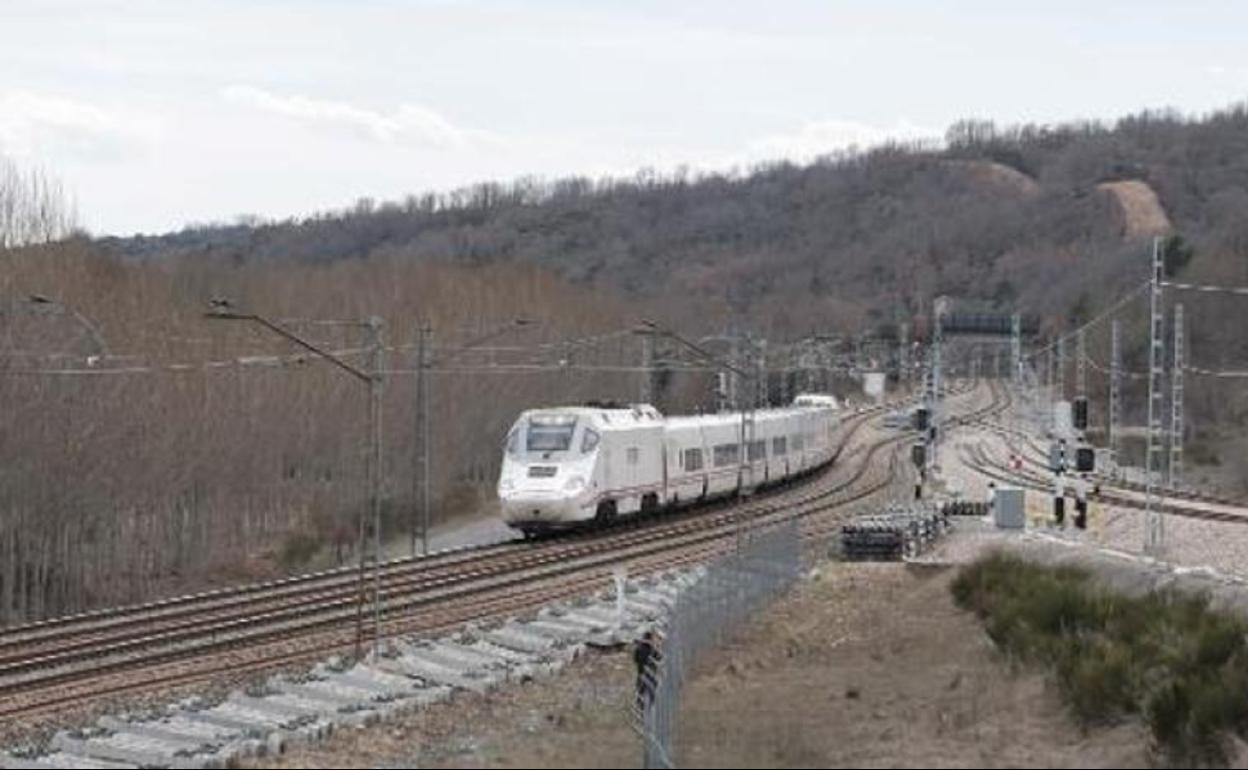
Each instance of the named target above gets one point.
<point>33,207</point>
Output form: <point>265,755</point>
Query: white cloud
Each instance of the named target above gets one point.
<point>825,136</point>
<point>33,124</point>
<point>409,123</point>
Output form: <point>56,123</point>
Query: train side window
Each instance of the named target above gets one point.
<point>692,459</point>
<point>634,454</point>
<point>513,441</point>
<point>779,446</point>
<point>758,449</point>
<point>590,441</point>
<point>797,442</point>
<point>727,454</point>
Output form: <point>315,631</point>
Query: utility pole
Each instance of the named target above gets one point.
<point>938,378</point>
<point>783,365</point>
<point>646,391</point>
<point>1176,401</point>
<point>811,366</point>
<point>374,327</point>
<point>760,376</point>
<point>1154,529</point>
<point>748,373</point>
<point>903,352</point>
<point>1061,368</point>
<point>1115,393</point>
<point>422,493</point>
<point>1081,367</point>
<point>425,363</point>
<point>747,445</point>
<point>1016,349</point>
<point>223,310</point>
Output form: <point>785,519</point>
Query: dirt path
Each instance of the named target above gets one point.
<point>869,665</point>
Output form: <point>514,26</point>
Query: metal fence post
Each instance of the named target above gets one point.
<point>729,590</point>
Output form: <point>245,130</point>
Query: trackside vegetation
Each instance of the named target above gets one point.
<point>1165,657</point>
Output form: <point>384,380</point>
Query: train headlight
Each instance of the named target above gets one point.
<point>574,484</point>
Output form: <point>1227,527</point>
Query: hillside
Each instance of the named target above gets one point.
<point>1055,221</point>
<point>997,217</point>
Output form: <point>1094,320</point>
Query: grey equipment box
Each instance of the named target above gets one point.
<point>1009,508</point>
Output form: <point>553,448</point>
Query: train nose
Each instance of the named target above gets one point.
<point>538,508</point>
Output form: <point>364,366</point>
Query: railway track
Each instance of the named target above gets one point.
<point>47,666</point>
<point>1038,458</point>
<point>67,639</point>
<point>978,459</point>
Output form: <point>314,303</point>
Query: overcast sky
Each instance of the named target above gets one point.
<point>157,114</point>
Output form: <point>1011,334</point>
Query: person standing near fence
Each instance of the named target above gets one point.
<point>646,657</point>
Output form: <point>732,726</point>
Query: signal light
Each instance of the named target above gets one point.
<point>1085,459</point>
<point>1080,415</point>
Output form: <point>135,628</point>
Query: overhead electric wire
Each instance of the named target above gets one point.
<point>1206,289</point>
<point>1072,334</point>
<point>1196,370</point>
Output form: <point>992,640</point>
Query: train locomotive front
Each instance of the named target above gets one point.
<point>548,478</point>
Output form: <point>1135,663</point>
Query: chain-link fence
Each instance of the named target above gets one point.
<point>765,564</point>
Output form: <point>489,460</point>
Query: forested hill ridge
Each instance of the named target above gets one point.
<point>1030,216</point>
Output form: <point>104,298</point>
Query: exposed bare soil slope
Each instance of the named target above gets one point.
<point>1142,212</point>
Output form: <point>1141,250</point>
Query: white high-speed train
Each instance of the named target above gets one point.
<point>568,467</point>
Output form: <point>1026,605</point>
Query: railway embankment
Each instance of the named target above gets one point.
<point>862,665</point>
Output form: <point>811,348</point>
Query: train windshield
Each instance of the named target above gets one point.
<point>550,433</point>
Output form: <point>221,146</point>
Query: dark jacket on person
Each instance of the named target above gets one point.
<point>645,655</point>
